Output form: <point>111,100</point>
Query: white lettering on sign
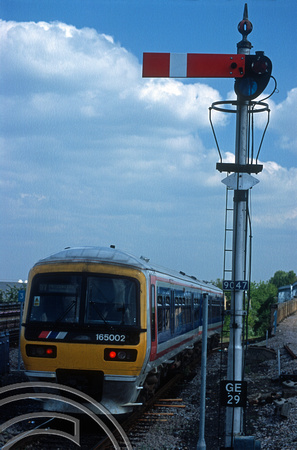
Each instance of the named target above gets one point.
<point>233,393</point>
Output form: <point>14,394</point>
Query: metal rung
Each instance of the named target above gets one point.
<point>229,211</point>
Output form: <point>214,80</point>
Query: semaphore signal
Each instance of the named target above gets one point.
<point>252,74</point>
<point>193,65</point>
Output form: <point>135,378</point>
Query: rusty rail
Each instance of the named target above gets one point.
<point>290,351</point>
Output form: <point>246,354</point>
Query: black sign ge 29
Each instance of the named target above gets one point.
<point>233,393</point>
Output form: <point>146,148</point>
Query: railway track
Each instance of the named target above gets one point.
<point>155,410</point>
<point>44,432</point>
<point>159,409</point>
<point>10,320</point>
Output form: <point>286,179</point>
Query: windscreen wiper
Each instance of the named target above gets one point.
<point>64,313</point>
<point>97,310</point>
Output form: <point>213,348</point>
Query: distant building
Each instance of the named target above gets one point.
<point>286,293</point>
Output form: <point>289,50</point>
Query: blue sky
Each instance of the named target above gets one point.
<point>92,154</point>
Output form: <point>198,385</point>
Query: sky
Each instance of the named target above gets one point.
<point>94,154</point>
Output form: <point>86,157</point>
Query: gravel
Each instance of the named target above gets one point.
<point>271,423</point>
<point>263,418</point>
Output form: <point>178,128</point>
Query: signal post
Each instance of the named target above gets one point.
<point>252,74</point>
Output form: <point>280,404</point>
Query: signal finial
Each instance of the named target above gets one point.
<point>245,27</point>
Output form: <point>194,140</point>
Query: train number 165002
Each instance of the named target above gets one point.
<point>106,337</point>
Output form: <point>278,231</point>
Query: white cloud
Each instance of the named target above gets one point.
<point>93,153</point>
<point>273,197</point>
<point>284,118</point>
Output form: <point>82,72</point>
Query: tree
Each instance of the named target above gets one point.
<point>281,278</point>
<point>262,296</point>
<point>11,294</point>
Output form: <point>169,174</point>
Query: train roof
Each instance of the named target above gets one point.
<point>111,255</point>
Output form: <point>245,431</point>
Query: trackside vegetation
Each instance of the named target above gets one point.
<point>11,293</point>
<point>258,301</point>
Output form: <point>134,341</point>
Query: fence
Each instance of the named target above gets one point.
<point>283,310</point>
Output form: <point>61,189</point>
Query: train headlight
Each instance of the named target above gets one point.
<point>41,351</point>
<point>122,355</point>
<point>115,354</point>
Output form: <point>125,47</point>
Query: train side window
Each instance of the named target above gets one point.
<point>160,313</point>
<point>177,312</point>
<point>167,318</point>
<point>167,314</point>
<point>196,308</point>
<point>153,321</point>
<point>188,307</point>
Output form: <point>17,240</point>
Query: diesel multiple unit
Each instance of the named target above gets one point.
<point>110,324</point>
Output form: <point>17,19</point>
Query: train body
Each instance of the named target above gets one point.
<point>110,324</point>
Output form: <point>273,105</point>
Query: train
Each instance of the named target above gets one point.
<point>111,324</point>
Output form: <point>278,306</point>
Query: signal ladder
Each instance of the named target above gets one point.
<point>229,237</point>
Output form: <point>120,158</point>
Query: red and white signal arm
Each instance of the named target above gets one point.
<point>193,65</point>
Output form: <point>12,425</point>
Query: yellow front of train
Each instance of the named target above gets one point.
<point>85,326</point>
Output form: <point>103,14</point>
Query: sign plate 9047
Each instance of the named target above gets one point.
<point>240,285</point>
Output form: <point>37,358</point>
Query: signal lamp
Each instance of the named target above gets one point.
<point>112,354</point>
<point>257,75</point>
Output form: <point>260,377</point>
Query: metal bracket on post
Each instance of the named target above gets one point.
<point>251,165</point>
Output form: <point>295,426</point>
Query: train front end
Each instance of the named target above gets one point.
<point>84,326</point>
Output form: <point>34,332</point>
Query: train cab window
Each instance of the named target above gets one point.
<point>55,298</point>
<point>111,300</point>
<point>74,298</point>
